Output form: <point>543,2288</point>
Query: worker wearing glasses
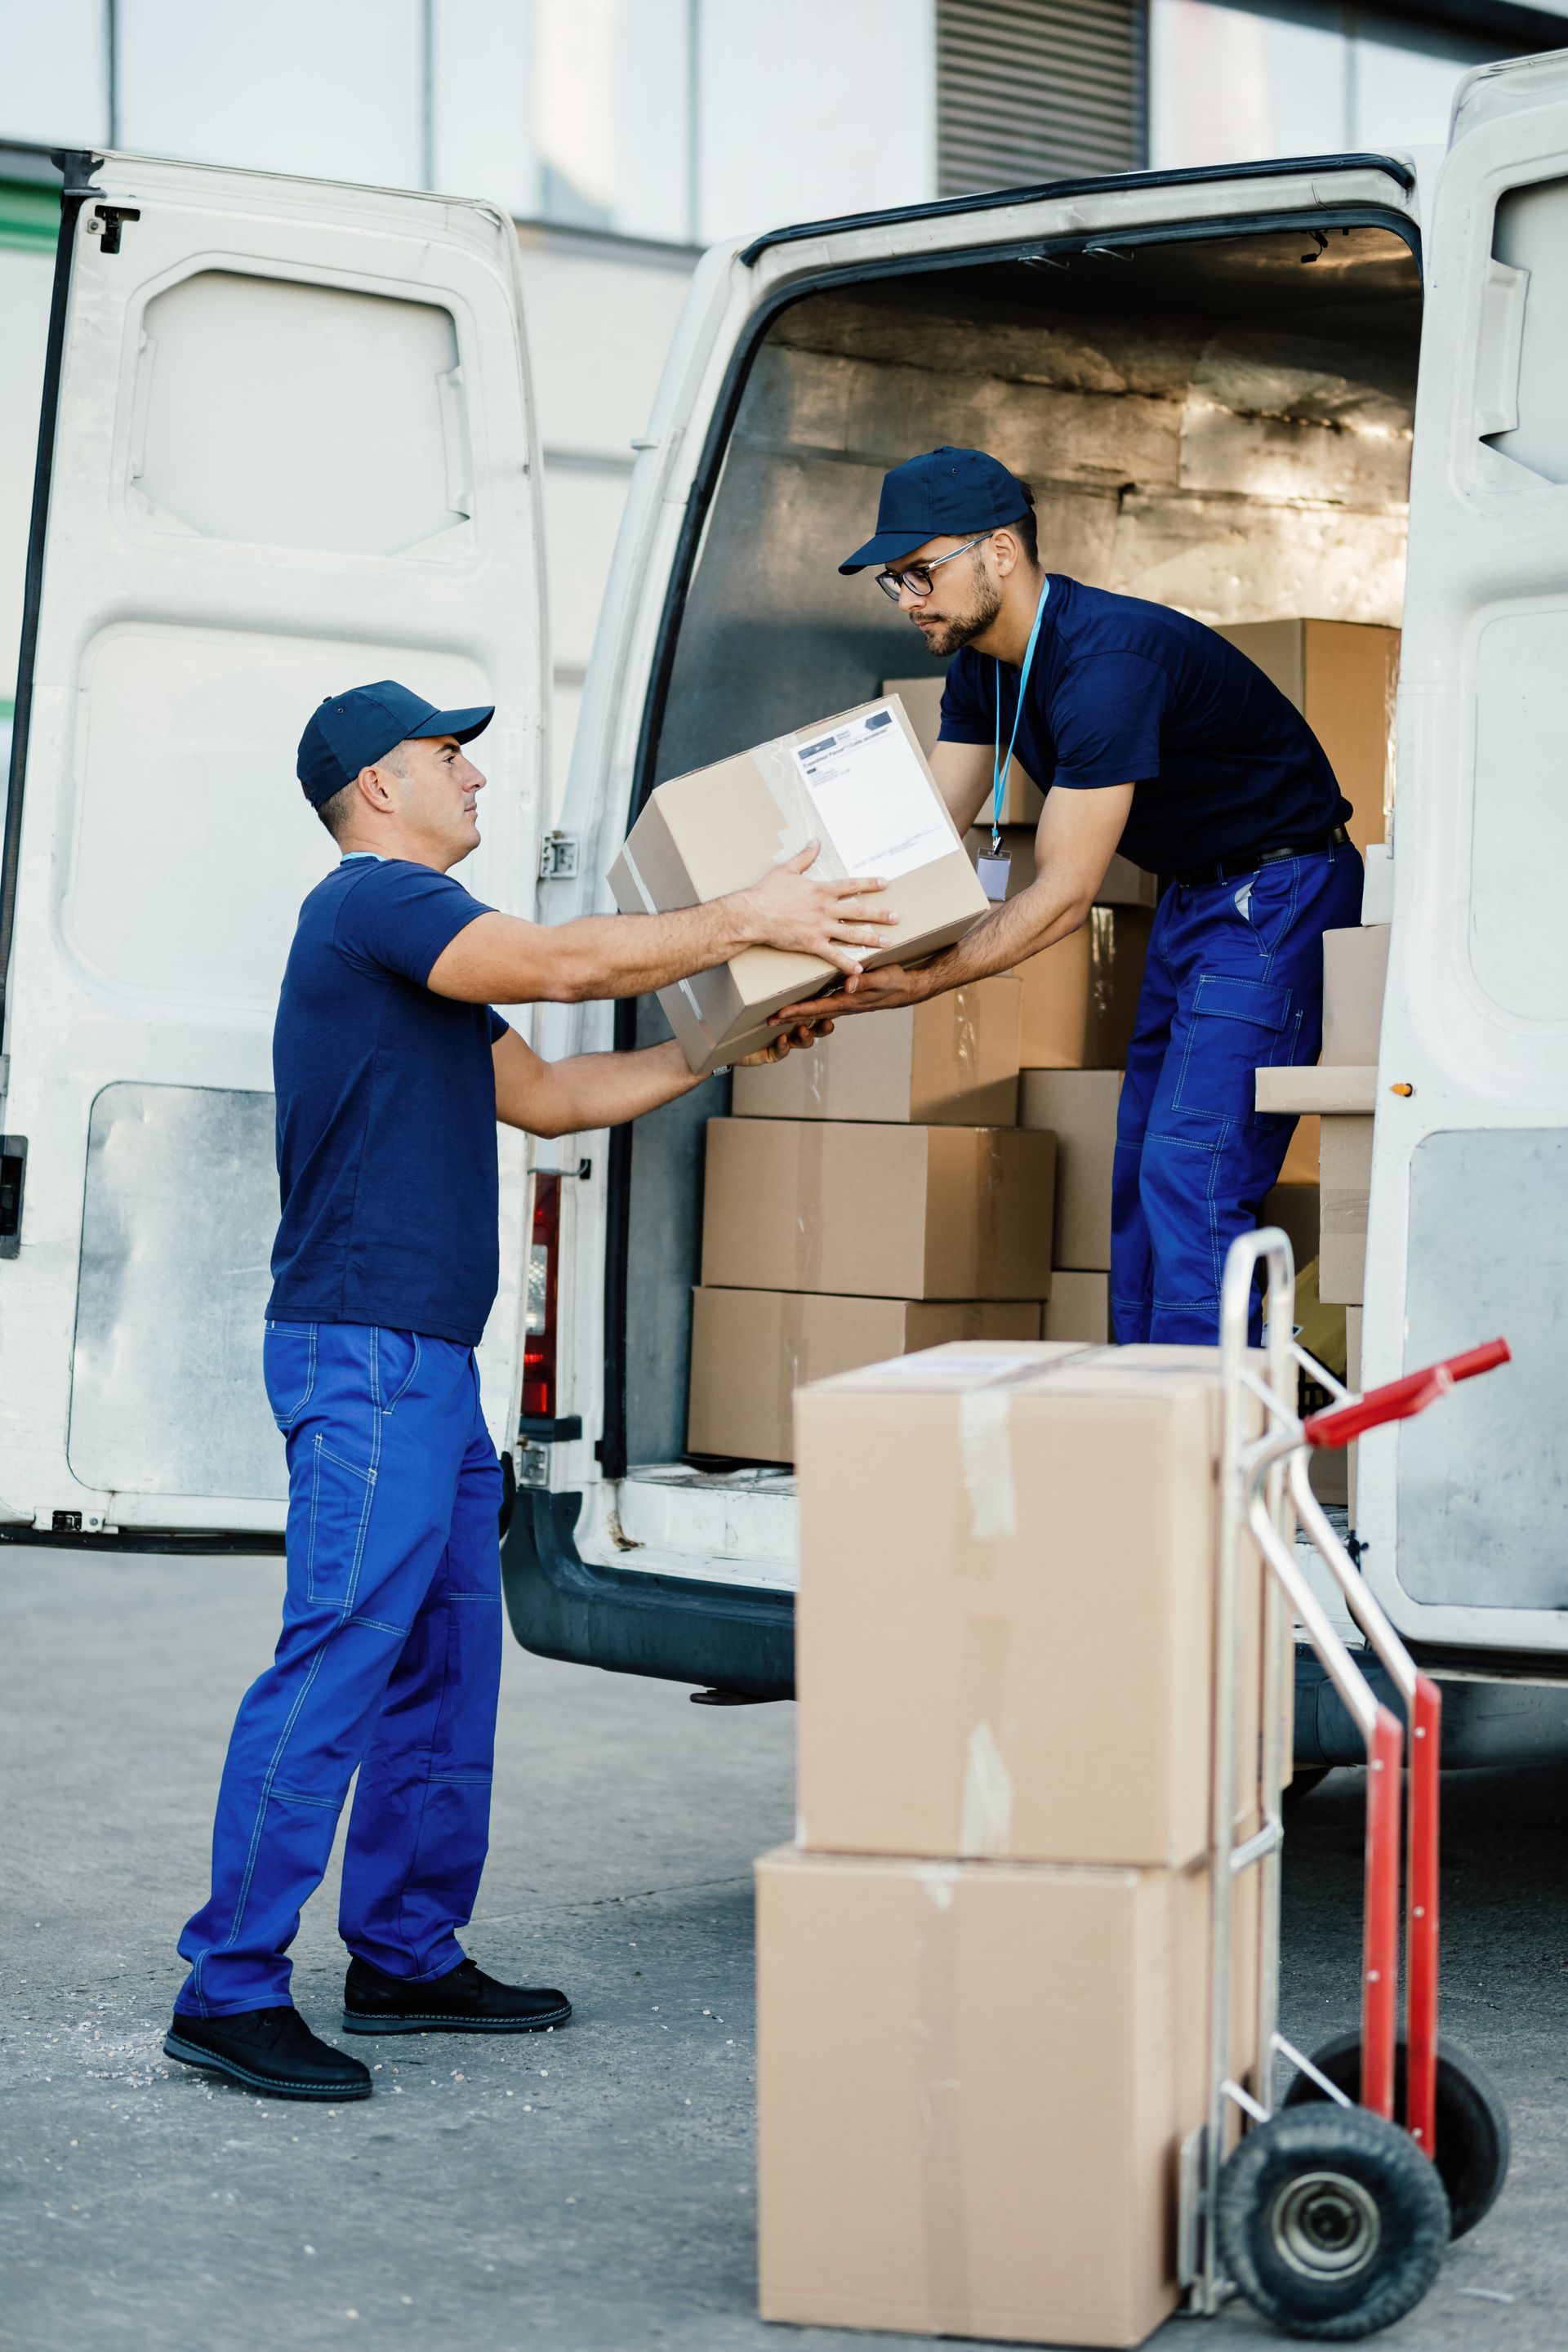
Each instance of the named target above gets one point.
<point>1150,735</point>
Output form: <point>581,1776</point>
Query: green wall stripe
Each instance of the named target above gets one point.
<point>30,217</point>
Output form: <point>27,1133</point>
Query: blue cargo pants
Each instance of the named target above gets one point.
<point>1234,984</point>
<point>388,1662</point>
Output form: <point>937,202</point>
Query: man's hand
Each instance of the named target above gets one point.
<point>868,992</point>
<point>788,908</point>
<point>788,1041</point>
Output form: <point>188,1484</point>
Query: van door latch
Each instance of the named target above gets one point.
<point>13,1171</point>
<point>558,857</point>
<point>112,218</point>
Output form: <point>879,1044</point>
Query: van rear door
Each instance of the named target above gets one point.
<point>286,446</point>
<point>1468,1237</point>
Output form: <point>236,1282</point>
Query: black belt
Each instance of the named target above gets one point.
<point>1249,861</point>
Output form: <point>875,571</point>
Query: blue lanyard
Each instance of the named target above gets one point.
<point>1000,767</point>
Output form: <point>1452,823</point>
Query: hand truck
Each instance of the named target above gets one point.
<point>1327,2214</point>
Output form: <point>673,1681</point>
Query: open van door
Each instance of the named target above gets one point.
<point>286,446</point>
<point>1466,1536</point>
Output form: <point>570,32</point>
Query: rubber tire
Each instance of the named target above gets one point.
<point>1473,2137</point>
<point>1387,2167</point>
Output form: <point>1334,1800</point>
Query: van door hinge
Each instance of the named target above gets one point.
<point>106,222</point>
<point>558,857</point>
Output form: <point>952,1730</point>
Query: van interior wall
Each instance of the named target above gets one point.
<point>1218,424</point>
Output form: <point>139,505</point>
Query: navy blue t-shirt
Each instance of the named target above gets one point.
<point>387,1112</point>
<point>1127,692</point>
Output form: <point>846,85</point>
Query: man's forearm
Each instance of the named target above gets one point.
<point>1037,917</point>
<point>600,956</point>
<point>590,1090</point>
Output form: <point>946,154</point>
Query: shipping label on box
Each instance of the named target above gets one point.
<point>858,784</point>
<point>1079,1107</point>
<point>878,1211</point>
<point>973,2083</point>
<point>951,1062</point>
<point>751,1349</point>
<point>1030,1550</point>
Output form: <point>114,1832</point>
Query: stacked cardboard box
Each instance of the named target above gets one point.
<point>870,1196</point>
<point>982,1970</point>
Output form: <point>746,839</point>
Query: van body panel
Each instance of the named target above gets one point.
<point>743,388</point>
<point>1461,1512</point>
<point>293,451</point>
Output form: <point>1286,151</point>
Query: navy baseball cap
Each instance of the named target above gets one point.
<point>946,494</point>
<point>354,731</point>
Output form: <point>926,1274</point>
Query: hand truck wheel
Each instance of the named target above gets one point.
<point>1473,2140</point>
<point>1331,2222</point>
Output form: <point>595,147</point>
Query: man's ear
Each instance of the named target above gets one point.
<point>1006,550</point>
<point>374,787</point>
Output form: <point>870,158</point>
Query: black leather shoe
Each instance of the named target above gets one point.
<point>464,2000</point>
<point>268,2050</point>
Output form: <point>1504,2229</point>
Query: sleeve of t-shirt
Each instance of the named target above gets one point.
<point>1105,718</point>
<point>398,917</point>
<point>498,1026</point>
<point>962,718</point>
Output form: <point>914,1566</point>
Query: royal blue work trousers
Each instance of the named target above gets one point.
<point>1234,984</point>
<point>388,1664</point>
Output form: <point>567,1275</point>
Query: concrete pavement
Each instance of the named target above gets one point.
<point>588,2189</point>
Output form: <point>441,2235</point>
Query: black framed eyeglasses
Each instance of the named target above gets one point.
<point>918,575</point>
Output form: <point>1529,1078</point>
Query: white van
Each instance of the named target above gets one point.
<point>287,443</point>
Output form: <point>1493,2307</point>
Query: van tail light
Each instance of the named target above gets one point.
<point>539,1328</point>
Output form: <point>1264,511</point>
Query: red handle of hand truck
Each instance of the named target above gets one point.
<point>1399,1400</point>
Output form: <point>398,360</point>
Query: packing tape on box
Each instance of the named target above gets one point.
<point>794,1372</point>
<point>810,1219</point>
<point>939,2094</point>
<point>985,1820</point>
<point>988,1245</point>
<point>967,1006</point>
<point>640,886</point>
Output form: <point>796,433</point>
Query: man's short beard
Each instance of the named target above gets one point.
<point>967,627</point>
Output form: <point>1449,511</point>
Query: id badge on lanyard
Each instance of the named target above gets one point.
<point>994,871</point>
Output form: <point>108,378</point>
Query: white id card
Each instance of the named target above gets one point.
<point>994,873</point>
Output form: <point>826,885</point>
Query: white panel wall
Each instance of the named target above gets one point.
<point>827,108</point>
<point>54,72</point>
<point>331,88</point>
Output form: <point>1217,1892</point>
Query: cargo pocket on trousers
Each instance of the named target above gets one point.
<point>1236,1028</point>
<point>341,1498</point>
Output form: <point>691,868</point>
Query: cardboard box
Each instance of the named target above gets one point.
<point>922,698</point>
<point>751,1349</point>
<point>1295,1208</point>
<point>1079,1307</point>
<point>1125,885</point>
<point>1355,974</point>
<point>974,2083</point>
<point>1027,1550</point>
<point>1081,997</point>
<point>1345,1162</point>
<point>950,1061</point>
<point>858,783</point>
<point>1079,1107</point>
<point>1343,678</point>
<point>882,1212</point>
<point>1325,1088</point>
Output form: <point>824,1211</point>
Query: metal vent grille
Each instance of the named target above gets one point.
<point>1037,90</point>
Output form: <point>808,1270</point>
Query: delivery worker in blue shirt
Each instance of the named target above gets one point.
<point>391,1073</point>
<point>1148,734</point>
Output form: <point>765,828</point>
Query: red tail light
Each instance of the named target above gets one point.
<point>539,1340</point>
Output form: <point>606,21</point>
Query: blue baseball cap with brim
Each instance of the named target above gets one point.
<point>946,494</point>
<point>354,731</point>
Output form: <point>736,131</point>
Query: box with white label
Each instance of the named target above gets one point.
<point>858,784</point>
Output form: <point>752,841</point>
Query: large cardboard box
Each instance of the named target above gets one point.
<point>950,1061</point>
<point>1081,997</point>
<point>1345,1159</point>
<point>751,1349</point>
<point>878,1211</point>
<point>1079,1307</point>
<point>1028,1548</point>
<point>856,782</point>
<point>1343,676</point>
<point>1079,1107</point>
<point>1125,885</point>
<point>973,2083</point>
<point>1355,974</point>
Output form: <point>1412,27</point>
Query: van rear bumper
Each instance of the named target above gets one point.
<point>726,1637</point>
